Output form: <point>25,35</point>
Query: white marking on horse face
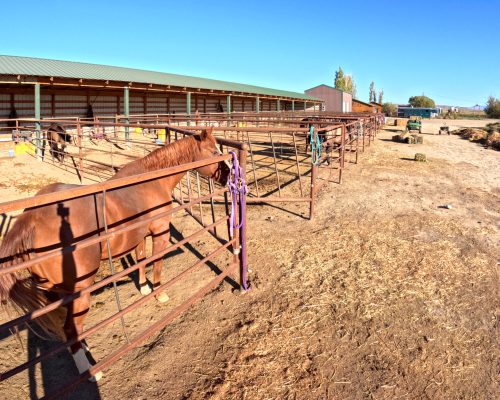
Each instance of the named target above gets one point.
<point>140,253</point>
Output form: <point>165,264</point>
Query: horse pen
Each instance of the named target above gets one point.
<point>286,160</point>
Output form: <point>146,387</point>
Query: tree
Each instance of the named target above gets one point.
<point>373,93</point>
<point>344,82</point>
<point>421,101</point>
<point>380,96</point>
<point>390,109</point>
<point>348,83</point>
<point>354,91</point>
<point>492,109</point>
<point>340,79</point>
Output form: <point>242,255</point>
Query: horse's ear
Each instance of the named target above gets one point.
<point>206,133</point>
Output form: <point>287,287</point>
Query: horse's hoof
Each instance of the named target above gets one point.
<point>145,289</point>
<point>162,297</point>
<point>96,377</point>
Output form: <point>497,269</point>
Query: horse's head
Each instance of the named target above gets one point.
<point>208,149</point>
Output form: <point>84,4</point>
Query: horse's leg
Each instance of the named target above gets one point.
<point>160,241</point>
<point>77,311</point>
<point>63,147</point>
<point>140,254</point>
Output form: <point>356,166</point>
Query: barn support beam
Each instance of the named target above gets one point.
<point>188,103</point>
<point>229,104</point>
<point>188,106</point>
<point>257,104</point>
<point>38,126</point>
<point>126,111</point>
<point>305,105</point>
<point>293,105</point>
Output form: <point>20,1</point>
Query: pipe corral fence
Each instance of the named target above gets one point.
<point>286,158</point>
<point>291,155</point>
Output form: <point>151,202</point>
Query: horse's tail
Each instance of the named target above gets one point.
<point>16,290</point>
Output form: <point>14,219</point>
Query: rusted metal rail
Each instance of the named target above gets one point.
<point>224,245</point>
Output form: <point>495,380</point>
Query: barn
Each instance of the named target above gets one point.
<point>377,106</point>
<point>334,99</point>
<point>35,87</point>
<point>361,106</point>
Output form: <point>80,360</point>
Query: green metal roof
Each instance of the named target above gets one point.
<point>15,65</point>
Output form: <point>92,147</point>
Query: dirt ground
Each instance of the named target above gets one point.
<point>386,294</point>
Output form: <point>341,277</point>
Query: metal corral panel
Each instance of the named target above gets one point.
<point>27,66</point>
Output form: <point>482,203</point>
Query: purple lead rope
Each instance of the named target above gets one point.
<point>238,189</point>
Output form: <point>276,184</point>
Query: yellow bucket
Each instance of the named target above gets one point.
<point>162,135</point>
<point>138,130</point>
<point>24,148</point>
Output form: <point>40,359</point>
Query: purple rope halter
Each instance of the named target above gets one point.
<point>238,190</point>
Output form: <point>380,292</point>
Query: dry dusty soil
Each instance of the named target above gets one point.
<point>386,294</point>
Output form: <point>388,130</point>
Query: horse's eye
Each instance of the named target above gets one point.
<point>216,152</point>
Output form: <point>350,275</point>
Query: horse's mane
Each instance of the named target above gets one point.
<point>176,153</point>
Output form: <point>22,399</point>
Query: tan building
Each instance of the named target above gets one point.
<point>334,99</point>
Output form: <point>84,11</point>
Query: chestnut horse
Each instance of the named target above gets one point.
<point>45,228</point>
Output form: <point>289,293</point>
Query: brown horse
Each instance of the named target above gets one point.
<point>38,230</point>
<point>57,138</point>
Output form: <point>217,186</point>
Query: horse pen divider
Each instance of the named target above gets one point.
<point>279,169</point>
<point>231,244</point>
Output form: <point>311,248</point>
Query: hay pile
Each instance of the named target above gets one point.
<point>410,139</point>
<point>399,311</point>
<point>489,136</point>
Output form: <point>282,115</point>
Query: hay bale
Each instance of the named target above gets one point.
<point>420,157</point>
<point>418,139</point>
<point>410,140</point>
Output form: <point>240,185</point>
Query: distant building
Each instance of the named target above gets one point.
<point>405,111</point>
<point>378,107</point>
<point>361,106</point>
<point>334,99</point>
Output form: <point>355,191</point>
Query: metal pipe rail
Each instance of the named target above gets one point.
<point>231,245</point>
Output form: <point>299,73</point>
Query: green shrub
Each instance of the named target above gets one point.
<point>390,109</point>
<point>492,109</point>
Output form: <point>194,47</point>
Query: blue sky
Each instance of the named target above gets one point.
<point>448,50</point>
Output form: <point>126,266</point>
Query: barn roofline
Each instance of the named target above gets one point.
<point>16,69</point>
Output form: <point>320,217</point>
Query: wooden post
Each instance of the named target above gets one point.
<point>53,105</point>
<point>257,104</point>
<point>278,105</point>
<point>229,104</point>
<point>188,106</point>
